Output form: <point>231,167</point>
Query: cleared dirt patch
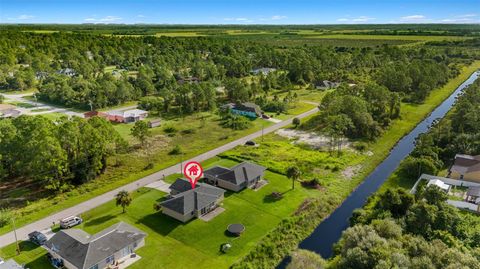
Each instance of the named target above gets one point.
<point>312,139</point>
<point>350,171</point>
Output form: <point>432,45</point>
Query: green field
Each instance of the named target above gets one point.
<point>168,240</point>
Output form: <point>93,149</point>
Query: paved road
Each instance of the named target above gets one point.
<point>42,224</point>
<point>38,105</point>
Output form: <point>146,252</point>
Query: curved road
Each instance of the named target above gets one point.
<point>45,223</point>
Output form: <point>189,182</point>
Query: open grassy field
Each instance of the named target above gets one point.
<point>389,37</point>
<point>169,240</point>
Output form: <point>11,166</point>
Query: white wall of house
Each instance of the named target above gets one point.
<point>176,215</point>
<point>229,186</point>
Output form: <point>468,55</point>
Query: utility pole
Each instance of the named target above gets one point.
<point>262,131</point>
<point>15,233</point>
<point>181,163</point>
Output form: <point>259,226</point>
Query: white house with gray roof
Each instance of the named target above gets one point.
<point>186,203</point>
<point>237,178</point>
<point>76,249</point>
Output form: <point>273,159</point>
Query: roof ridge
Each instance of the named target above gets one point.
<point>113,228</point>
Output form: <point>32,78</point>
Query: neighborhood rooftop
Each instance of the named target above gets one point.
<point>84,250</point>
<point>190,200</point>
<point>237,174</point>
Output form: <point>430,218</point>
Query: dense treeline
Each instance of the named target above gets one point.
<point>185,72</point>
<point>400,230</point>
<point>57,154</point>
<point>406,231</point>
<point>459,132</point>
<point>424,29</point>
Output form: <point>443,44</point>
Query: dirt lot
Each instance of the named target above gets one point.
<point>312,139</point>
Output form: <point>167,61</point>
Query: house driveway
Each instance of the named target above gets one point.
<point>159,185</point>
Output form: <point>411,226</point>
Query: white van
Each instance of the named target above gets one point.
<point>70,222</point>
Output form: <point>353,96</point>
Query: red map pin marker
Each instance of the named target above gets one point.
<point>193,171</point>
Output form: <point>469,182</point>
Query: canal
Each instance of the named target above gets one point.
<point>330,230</point>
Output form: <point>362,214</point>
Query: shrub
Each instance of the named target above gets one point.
<point>176,150</point>
<point>360,146</point>
<point>188,131</point>
<point>170,130</point>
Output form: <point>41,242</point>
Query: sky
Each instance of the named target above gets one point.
<point>240,11</point>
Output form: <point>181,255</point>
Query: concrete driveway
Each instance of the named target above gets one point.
<point>46,222</point>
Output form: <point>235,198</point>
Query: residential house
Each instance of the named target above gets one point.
<point>94,113</point>
<point>10,264</point>
<point>466,167</point>
<point>76,249</point>
<point>188,80</point>
<point>186,203</point>
<point>250,110</point>
<point>325,85</point>
<point>264,70</point>
<point>473,195</point>
<point>67,72</point>
<point>237,178</point>
<point>127,116</point>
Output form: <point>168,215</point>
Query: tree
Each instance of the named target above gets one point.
<point>293,173</point>
<point>411,168</point>
<point>2,98</point>
<point>123,199</point>
<point>337,126</point>
<point>304,259</point>
<point>397,201</point>
<point>296,122</point>
<point>141,131</point>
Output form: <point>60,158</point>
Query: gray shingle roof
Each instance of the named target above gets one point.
<point>473,191</point>
<point>238,174</point>
<point>84,250</point>
<point>181,185</point>
<point>192,199</point>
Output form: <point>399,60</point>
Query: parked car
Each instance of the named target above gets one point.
<point>69,222</point>
<point>37,238</point>
<point>250,143</point>
<point>265,116</point>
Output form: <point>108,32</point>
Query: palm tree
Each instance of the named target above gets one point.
<point>293,173</point>
<point>123,199</point>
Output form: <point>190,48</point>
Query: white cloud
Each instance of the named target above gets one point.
<point>240,19</point>
<point>22,18</point>
<point>278,17</point>
<point>361,19</point>
<point>413,18</point>
<point>107,19</point>
<point>141,16</point>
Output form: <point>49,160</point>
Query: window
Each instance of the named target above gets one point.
<point>109,260</point>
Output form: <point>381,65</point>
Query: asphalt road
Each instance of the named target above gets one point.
<point>45,223</point>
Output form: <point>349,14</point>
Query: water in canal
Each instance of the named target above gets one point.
<point>330,230</point>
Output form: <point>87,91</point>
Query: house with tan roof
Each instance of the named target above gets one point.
<point>465,167</point>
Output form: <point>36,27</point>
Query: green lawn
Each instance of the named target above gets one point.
<point>169,241</point>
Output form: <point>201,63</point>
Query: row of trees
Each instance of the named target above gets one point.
<point>57,154</point>
<point>457,133</point>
